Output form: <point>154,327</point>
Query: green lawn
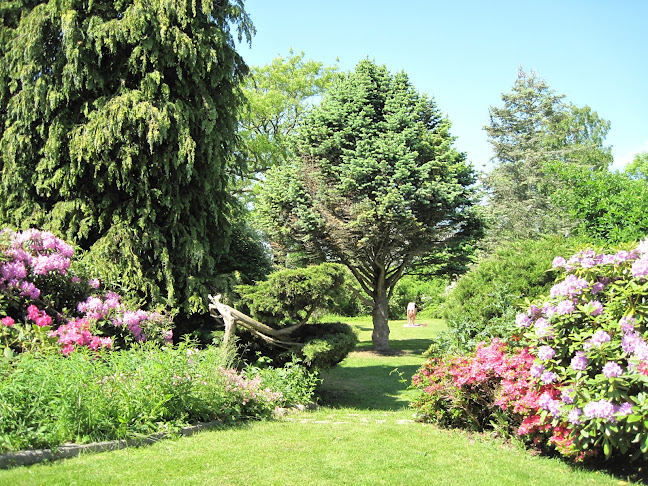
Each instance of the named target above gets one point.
<point>362,435</point>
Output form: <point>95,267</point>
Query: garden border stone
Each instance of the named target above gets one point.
<point>65,451</point>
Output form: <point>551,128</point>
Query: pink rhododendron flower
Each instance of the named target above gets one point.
<point>8,321</point>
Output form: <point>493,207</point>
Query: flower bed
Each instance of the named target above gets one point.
<point>577,380</point>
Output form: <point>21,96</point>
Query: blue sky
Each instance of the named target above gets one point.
<point>465,54</point>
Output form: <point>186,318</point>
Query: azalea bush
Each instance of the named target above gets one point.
<point>573,378</point>
<point>43,303</point>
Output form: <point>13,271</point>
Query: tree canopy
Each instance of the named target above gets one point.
<point>533,127</point>
<point>119,122</point>
<point>376,185</point>
<point>277,96</point>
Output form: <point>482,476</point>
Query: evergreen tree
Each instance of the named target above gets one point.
<point>377,186</point>
<point>533,127</point>
<point>118,124</point>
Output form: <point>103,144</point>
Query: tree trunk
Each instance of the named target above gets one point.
<point>380,315</point>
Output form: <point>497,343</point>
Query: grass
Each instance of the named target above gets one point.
<point>362,435</point>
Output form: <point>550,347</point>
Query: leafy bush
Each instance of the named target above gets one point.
<point>483,300</point>
<point>581,385</point>
<point>290,296</point>
<point>589,337</point>
<point>294,381</point>
<point>324,345</point>
<point>49,400</point>
<point>429,296</point>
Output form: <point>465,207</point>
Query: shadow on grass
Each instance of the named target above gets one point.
<point>371,387</point>
<point>401,346</point>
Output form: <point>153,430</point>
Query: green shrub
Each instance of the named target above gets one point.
<point>290,296</point>
<point>46,400</point>
<point>429,296</point>
<point>295,382</point>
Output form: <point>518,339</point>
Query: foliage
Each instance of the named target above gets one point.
<point>327,343</point>
<point>119,122</point>
<point>638,168</point>
<point>290,296</point>
<point>482,303</point>
<point>44,305</point>
<point>377,186</point>
<point>429,295</point>
<point>583,391</point>
<point>277,96</point>
<point>607,207</point>
<point>533,127</point>
<point>48,400</point>
<point>589,337</point>
<point>295,382</point>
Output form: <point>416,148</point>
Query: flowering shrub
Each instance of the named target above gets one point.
<point>589,338</point>
<point>43,304</point>
<point>579,384</point>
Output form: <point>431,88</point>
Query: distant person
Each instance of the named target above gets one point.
<point>411,314</point>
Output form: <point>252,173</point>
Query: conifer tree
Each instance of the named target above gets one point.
<point>533,127</point>
<point>377,186</point>
<point>118,122</point>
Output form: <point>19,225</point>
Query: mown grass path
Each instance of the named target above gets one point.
<point>363,434</point>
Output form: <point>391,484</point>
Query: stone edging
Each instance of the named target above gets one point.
<point>27,458</point>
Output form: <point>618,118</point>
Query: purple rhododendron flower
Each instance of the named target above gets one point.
<point>558,262</point>
<point>574,416</point>
<point>627,324</point>
<point>565,307</point>
<point>572,286</point>
<point>547,403</point>
<point>543,328</point>
<point>594,308</point>
<point>624,409</point>
<point>566,395</point>
<point>536,370</point>
<point>546,352</point>
<point>522,320</point>
<point>640,268</point>
<point>579,361</point>
<point>599,338</point>
<point>597,287</point>
<point>549,377</point>
<point>612,370</point>
<point>600,409</point>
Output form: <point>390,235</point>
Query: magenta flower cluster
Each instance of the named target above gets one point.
<point>29,257</point>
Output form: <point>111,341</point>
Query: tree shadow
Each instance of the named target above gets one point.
<point>372,387</point>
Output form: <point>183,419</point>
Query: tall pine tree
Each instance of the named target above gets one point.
<point>533,127</point>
